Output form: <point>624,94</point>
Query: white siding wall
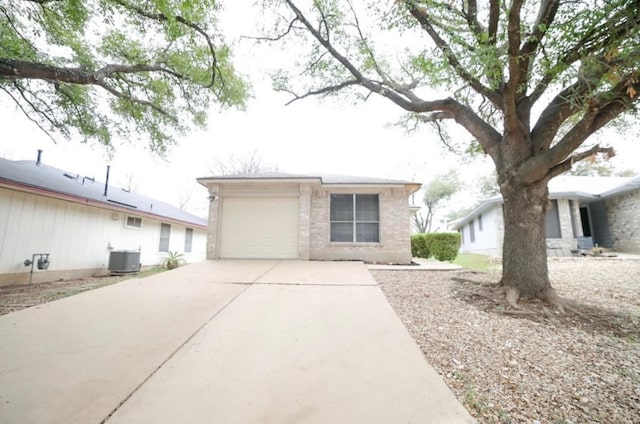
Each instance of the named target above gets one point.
<point>486,239</point>
<point>77,237</point>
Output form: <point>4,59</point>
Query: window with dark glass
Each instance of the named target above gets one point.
<point>165,234</point>
<point>355,218</point>
<point>188,240</point>
<point>134,222</point>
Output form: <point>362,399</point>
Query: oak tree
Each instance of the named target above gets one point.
<point>530,80</point>
<point>100,68</point>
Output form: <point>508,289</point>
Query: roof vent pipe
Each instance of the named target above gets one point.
<point>106,183</point>
<point>39,157</point>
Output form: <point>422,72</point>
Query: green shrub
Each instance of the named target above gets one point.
<point>443,246</point>
<point>419,247</point>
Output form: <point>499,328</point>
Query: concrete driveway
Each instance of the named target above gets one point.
<point>221,342</point>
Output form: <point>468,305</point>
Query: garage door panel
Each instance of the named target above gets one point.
<point>259,228</point>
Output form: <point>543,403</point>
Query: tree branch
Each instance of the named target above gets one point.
<point>28,115</point>
<point>422,16</point>
<point>607,35</point>
<point>567,164</point>
<point>13,69</point>
<point>472,17</point>
<point>546,15</point>
<point>321,91</point>
<point>570,100</point>
<point>602,110</point>
<point>494,18</point>
<point>164,18</point>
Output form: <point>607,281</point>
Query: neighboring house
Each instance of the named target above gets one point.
<point>316,217</point>
<point>604,208</point>
<point>78,221</point>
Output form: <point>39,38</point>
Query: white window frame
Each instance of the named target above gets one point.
<point>355,221</point>
<point>167,238</point>
<point>188,240</point>
<point>135,218</point>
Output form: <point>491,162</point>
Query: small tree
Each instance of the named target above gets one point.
<point>438,190</point>
<point>251,163</point>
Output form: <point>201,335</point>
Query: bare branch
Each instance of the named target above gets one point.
<point>567,164</point>
<point>324,90</point>
<point>276,38</point>
<point>28,115</point>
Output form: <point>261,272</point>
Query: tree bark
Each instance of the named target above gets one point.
<point>524,246</point>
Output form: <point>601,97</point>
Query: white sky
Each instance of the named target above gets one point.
<point>305,137</point>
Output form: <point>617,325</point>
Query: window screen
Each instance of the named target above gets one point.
<point>134,222</point>
<point>165,234</point>
<point>355,218</point>
<point>188,240</point>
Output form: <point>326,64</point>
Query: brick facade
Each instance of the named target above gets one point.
<point>314,220</point>
<point>395,226</point>
<point>624,221</point>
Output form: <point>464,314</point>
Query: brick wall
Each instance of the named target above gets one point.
<point>214,208</point>
<point>395,227</point>
<point>624,221</point>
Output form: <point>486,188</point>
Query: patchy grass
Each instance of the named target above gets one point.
<point>20,296</point>
<point>474,261</point>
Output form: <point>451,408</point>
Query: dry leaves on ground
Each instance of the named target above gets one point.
<point>535,366</point>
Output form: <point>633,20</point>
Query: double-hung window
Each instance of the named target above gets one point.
<point>355,218</point>
<point>165,235</point>
<point>188,240</point>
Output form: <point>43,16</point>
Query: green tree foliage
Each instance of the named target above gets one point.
<point>436,191</point>
<point>101,68</point>
<point>530,80</point>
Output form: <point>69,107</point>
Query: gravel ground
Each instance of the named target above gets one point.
<point>536,365</point>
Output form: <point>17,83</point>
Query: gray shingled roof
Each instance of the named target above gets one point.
<point>587,189</point>
<point>58,181</point>
<point>323,178</point>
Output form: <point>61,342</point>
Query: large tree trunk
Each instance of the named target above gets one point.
<point>524,255</point>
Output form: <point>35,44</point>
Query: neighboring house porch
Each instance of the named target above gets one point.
<point>604,208</point>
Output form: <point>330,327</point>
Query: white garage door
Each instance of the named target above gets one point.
<point>259,228</point>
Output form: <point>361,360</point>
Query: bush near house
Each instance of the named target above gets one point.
<point>442,246</point>
<point>419,246</point>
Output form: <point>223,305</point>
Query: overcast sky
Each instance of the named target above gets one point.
<point>305,137</point>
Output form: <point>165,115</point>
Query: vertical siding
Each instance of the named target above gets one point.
<point>77,236</point>
<point>486,241</point>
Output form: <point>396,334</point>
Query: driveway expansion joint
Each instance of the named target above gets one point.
<point>162,364</point>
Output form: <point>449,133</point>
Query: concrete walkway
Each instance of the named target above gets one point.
<point>221,342</point>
